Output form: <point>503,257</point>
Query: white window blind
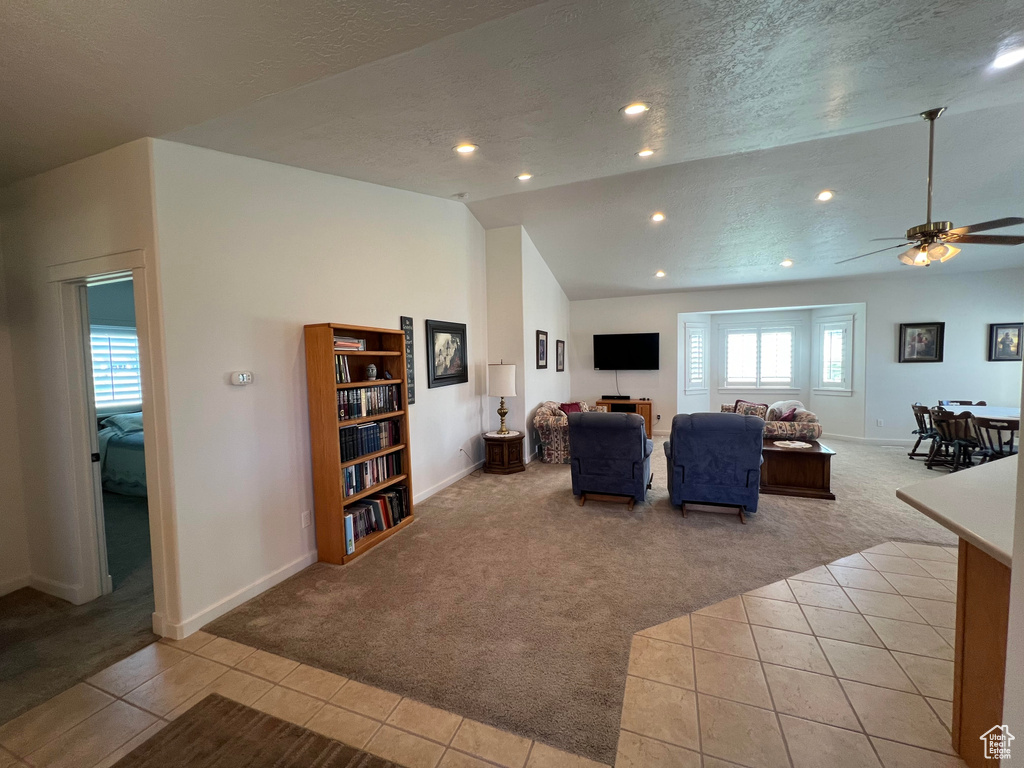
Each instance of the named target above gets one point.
<point>115,365</point>
<point>834,353</point>
<point>757,358</point>
<point>696,357</point>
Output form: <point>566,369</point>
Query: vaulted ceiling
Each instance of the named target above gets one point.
<point>755,107</point>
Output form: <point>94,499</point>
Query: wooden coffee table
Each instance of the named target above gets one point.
<point>805,472</point>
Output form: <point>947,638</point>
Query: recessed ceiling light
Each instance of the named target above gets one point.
<point>825,195</point>
<point>786,263</point>
<point>466,149</point>
<point>645,153</point>
<point>524,176</point>
<point>658,217</point>
<point>1008,59</point>
<point>660,273</point>
<point>636,108</point>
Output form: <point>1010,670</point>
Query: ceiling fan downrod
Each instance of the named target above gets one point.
<point>931,116</point>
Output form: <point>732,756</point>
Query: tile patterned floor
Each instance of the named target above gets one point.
<point>845,665</point>
<point>848,665</point>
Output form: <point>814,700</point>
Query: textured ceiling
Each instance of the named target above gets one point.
<point>731,220</point>
<point>540,90</point>
<point>82,76</point>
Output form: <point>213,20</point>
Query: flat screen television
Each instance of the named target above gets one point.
<point>626,351</point>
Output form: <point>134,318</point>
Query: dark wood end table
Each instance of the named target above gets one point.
<point>805,472</point>
<point>503,454</point>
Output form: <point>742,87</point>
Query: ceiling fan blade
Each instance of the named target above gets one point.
<point>880,239</point>
<point>1009,221</point>
<point>989,239</point>
<point>872,253</point>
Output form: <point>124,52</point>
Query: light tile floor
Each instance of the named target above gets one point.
<point>845,665</point>
<point>848,665</point>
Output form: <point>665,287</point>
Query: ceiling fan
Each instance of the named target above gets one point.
<point>938,240</point>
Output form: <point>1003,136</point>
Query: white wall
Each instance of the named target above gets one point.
<point>966,302</point>
<point>505,341</point>
<point>250,251</point>
<point>545,308</point>
<point>112,304</point>
<point>15,571</point>
<point>95,207</point>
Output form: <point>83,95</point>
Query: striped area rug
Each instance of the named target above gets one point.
<point>220,733</point>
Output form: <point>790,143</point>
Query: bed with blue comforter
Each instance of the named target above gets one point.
<point>122,456</point>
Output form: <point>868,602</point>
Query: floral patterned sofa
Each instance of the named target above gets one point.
<point>552,425</point>
<point>803,424</point>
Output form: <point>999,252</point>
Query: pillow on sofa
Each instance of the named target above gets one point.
<point>747,408</point>
<point>789,415</point>
<point>568,408</point>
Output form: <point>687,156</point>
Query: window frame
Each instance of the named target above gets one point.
<point>725,329</point>
<point>691,385</point>
<point>821,325</point>
<point>114,405</point>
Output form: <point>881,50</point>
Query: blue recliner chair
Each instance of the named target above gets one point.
<point>609,454</point>
<point>715,458</point>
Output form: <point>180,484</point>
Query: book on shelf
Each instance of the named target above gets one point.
<point>361,476</point>
<point>341,371</point>
<point>368,401</point>
<point>360,439</point>
<point>375,513</point>
<point>349,343</point>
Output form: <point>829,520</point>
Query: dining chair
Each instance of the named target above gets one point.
<point>961,402</point>
<point>997,438</point>
<point>956,441</point>
<point>924,431</point>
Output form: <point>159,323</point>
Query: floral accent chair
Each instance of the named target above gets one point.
<point>784,420</point>
<point>552,425</point>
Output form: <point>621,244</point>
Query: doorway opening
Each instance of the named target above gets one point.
<point>115,392</point>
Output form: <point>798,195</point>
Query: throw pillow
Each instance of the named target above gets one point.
<point>789,415</point>
<point>568,408</point>
<point>747,408</point>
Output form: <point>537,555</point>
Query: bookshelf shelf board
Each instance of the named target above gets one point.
<point>364,419</point>
<point>354,384</point>
<point>374,489</point>
<point>374,455</point>
<point>368,352</point>
<point>375,538</point>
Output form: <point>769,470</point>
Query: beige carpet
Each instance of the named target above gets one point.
<point>508,603</point>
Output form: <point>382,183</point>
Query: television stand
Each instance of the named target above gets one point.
<point>641,407</point>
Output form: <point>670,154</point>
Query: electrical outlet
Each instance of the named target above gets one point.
<point>307,519</point>
<point>879,423</point>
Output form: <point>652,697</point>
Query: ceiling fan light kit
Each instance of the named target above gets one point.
<point>933,240</point>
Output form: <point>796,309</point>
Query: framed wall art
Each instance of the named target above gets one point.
<point>559,355</point>
<point>542,349</point>
<point>447,362</point>
<point>921,342</point>
<point>1004,342</point>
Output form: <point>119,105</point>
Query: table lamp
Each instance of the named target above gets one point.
<point>501,382</point>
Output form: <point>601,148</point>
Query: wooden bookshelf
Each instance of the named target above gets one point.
<point>385,348</point>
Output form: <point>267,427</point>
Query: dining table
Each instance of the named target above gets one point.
<point>988,411</point>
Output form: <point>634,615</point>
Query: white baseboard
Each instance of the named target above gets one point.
<point>872,440</point>
<point>73,593</point>
<point>197,621</point>
<point>6,587</point>
<point>422,495</point>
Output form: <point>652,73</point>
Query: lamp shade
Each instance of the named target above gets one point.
<point>501,380</point>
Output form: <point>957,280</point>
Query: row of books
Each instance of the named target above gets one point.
<point>375,513</point>
<point>348,342</point>
<point>342,375</point>
<point>361,439</point>
<point>360,476</point>
<point>368,401</point>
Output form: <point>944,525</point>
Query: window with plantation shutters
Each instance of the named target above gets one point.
<point>115,365</point>
<point>696,357</point>
<point>759,357</point>
<point>833,354</point>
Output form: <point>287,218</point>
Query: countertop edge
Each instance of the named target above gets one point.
<point>1006,558</point>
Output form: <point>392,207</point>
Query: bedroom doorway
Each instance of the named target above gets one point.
<point>114,384</point>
